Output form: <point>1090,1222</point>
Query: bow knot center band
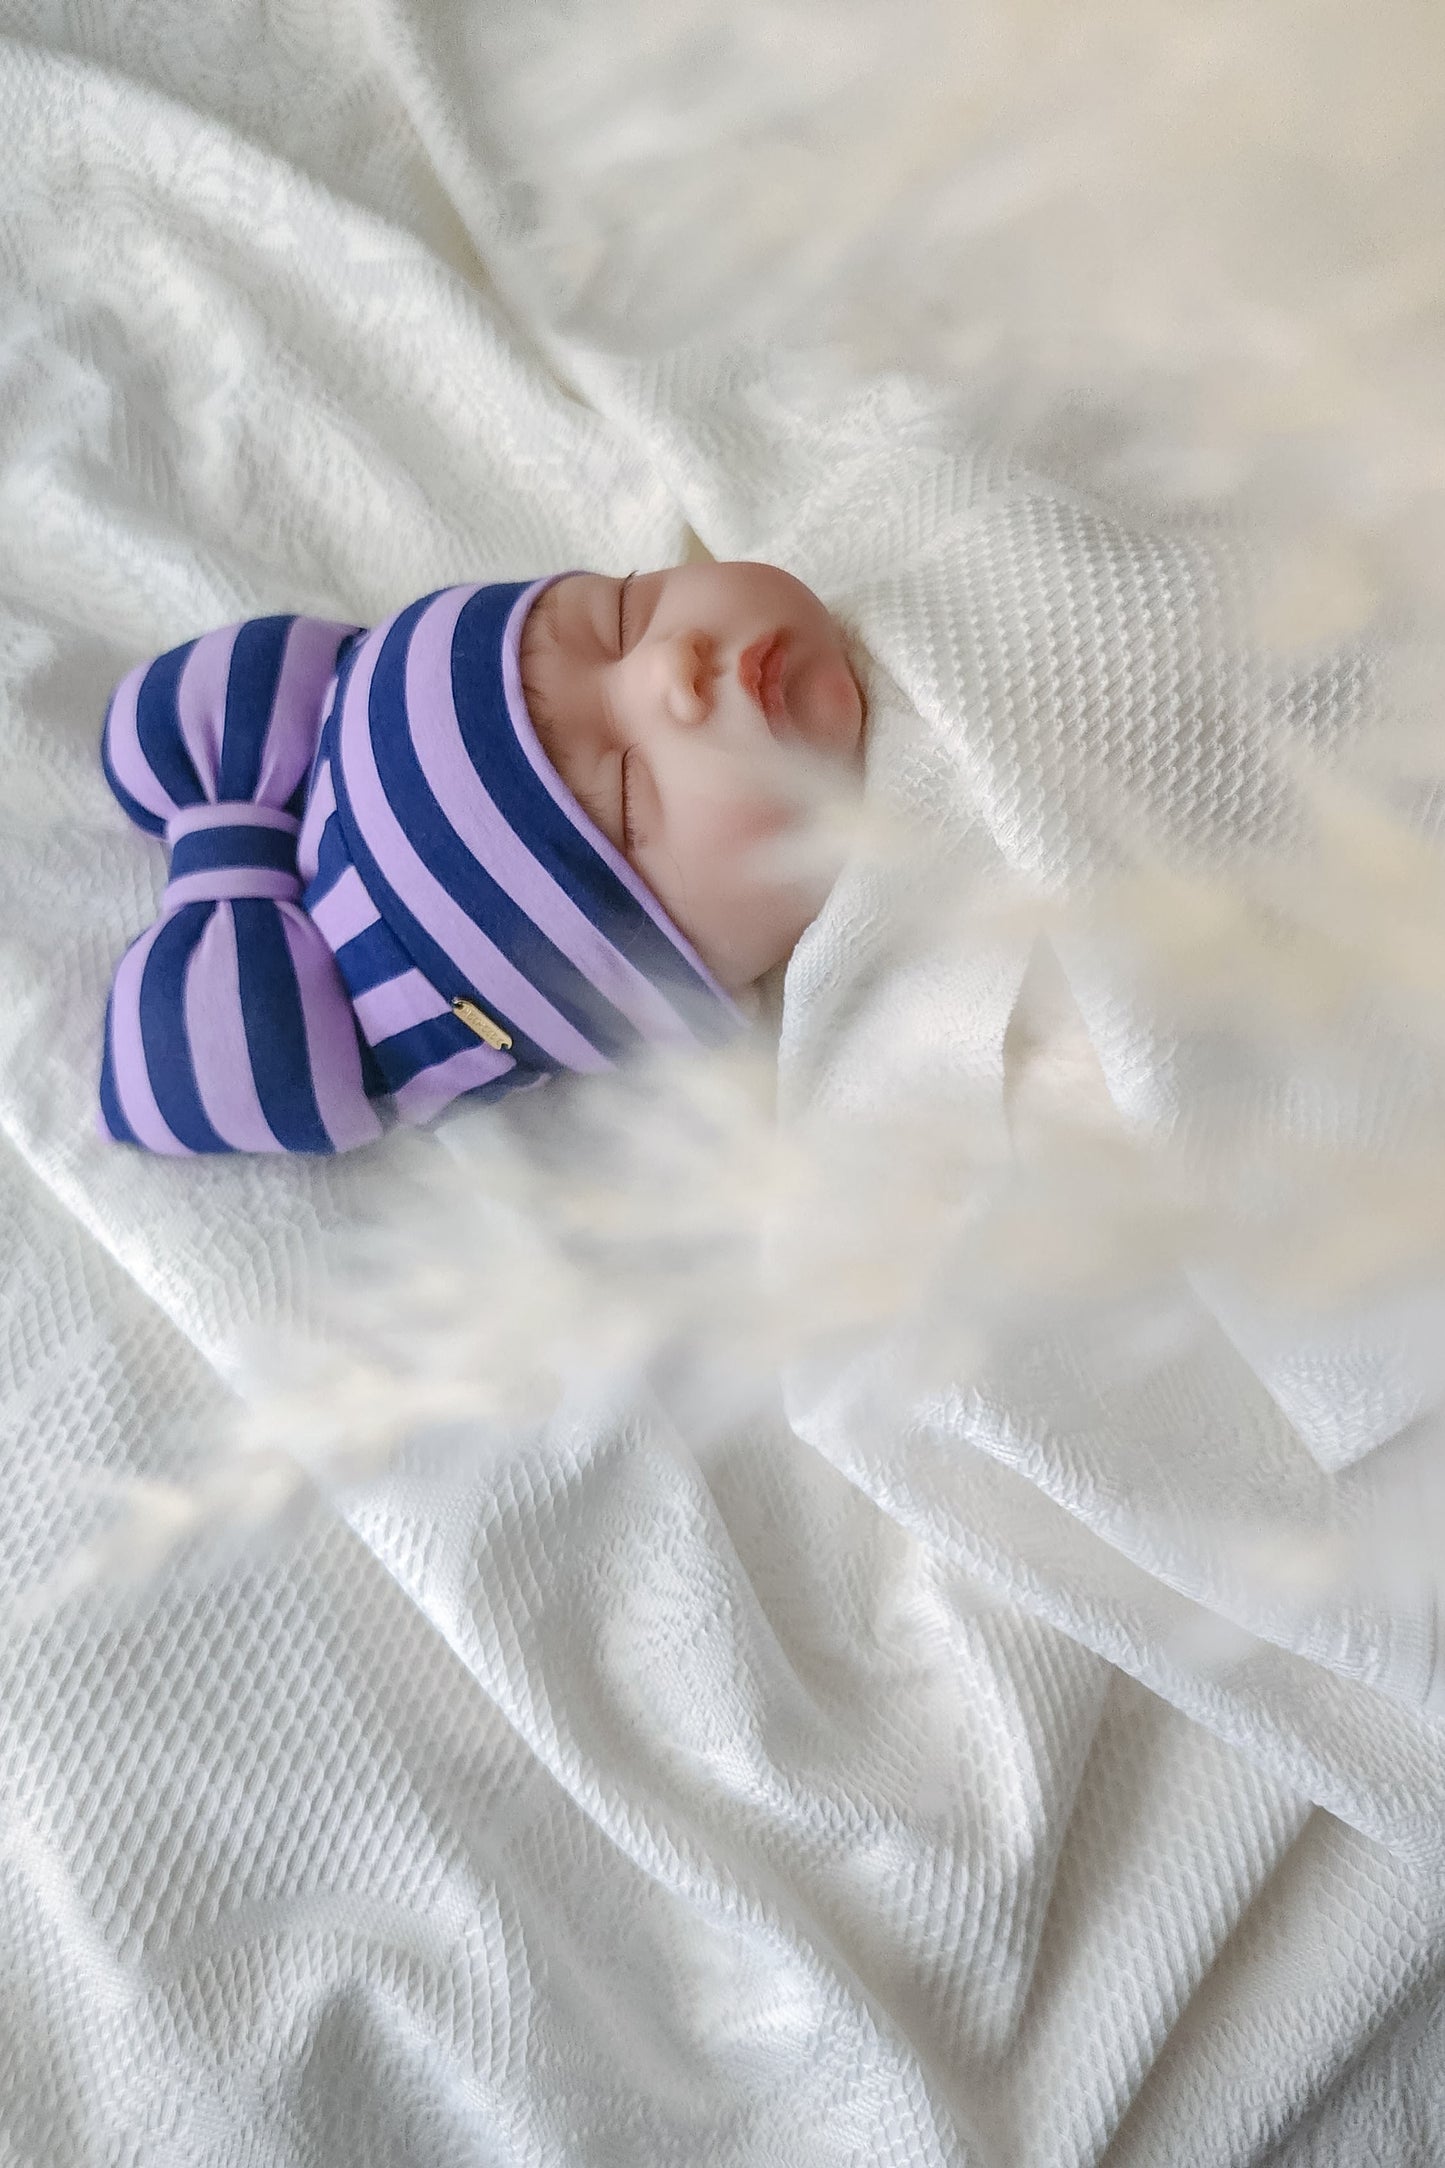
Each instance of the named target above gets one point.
<point>226,853</point>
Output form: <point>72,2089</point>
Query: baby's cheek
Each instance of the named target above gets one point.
<point>719,847</point>
<point>737,870</point>
<point>730,867</point>
<point>751,818</point>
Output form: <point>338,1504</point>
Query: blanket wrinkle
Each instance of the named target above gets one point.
<point>71,1199</point>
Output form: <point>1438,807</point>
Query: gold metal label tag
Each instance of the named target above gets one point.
<point>477,1020</point>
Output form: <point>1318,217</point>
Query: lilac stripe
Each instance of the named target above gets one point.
<point>239,814</point>
<point>431,1089</point>
<point>201,702</point>
<point>307,667</point>
<point>478,960</point>
<point>216,1034</point>
<point>527,738</point>
<point>396,1005</point>
<point>484,830</point>
<point>224,884</point>
<point>319,808</point>
<point>345,910</point>
<point>122,738</point>
<point>132,1077</point>
<point>346,1112</point>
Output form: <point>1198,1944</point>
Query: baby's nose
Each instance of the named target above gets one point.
<point>691,669</point>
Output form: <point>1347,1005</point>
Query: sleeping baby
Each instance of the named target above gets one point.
<point>514,830</point>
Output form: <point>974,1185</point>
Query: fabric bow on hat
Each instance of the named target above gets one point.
<point>229,1027</point>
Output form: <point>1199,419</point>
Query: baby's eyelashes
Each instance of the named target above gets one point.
<point>641,808</point>
<point>637,601</point>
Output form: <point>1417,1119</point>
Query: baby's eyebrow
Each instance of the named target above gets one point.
<point>539,637</point>
<point>543,614</point>
<point>557,624</point>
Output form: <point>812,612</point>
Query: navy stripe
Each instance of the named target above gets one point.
<point>153,823</point>
<point>373,1083</point>
<point>110,1107</point>
<point>370,958</point>
<point>529,808</point>
<point>463,876</point>
<point>333,854</point>
<point>157,711</point>
<point>332,859</point>
<point>206,849</point>
<point>256,659</point>
<point>276,1029</point>
<point>406,1053</point>
<point>163,1029</point>
<point>301,795</point>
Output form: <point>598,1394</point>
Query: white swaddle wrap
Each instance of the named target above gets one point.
<point>1066,692</point>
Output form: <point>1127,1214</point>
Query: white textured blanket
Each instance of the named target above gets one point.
<point>810,1807</point>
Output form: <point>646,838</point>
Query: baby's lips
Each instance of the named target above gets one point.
<point>760,673</point>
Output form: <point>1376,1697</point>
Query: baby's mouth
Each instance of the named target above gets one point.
<point>760,673</point>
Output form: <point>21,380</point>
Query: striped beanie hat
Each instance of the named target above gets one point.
<point>382,895</point>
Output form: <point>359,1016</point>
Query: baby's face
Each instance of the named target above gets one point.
<point>663,701</point>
